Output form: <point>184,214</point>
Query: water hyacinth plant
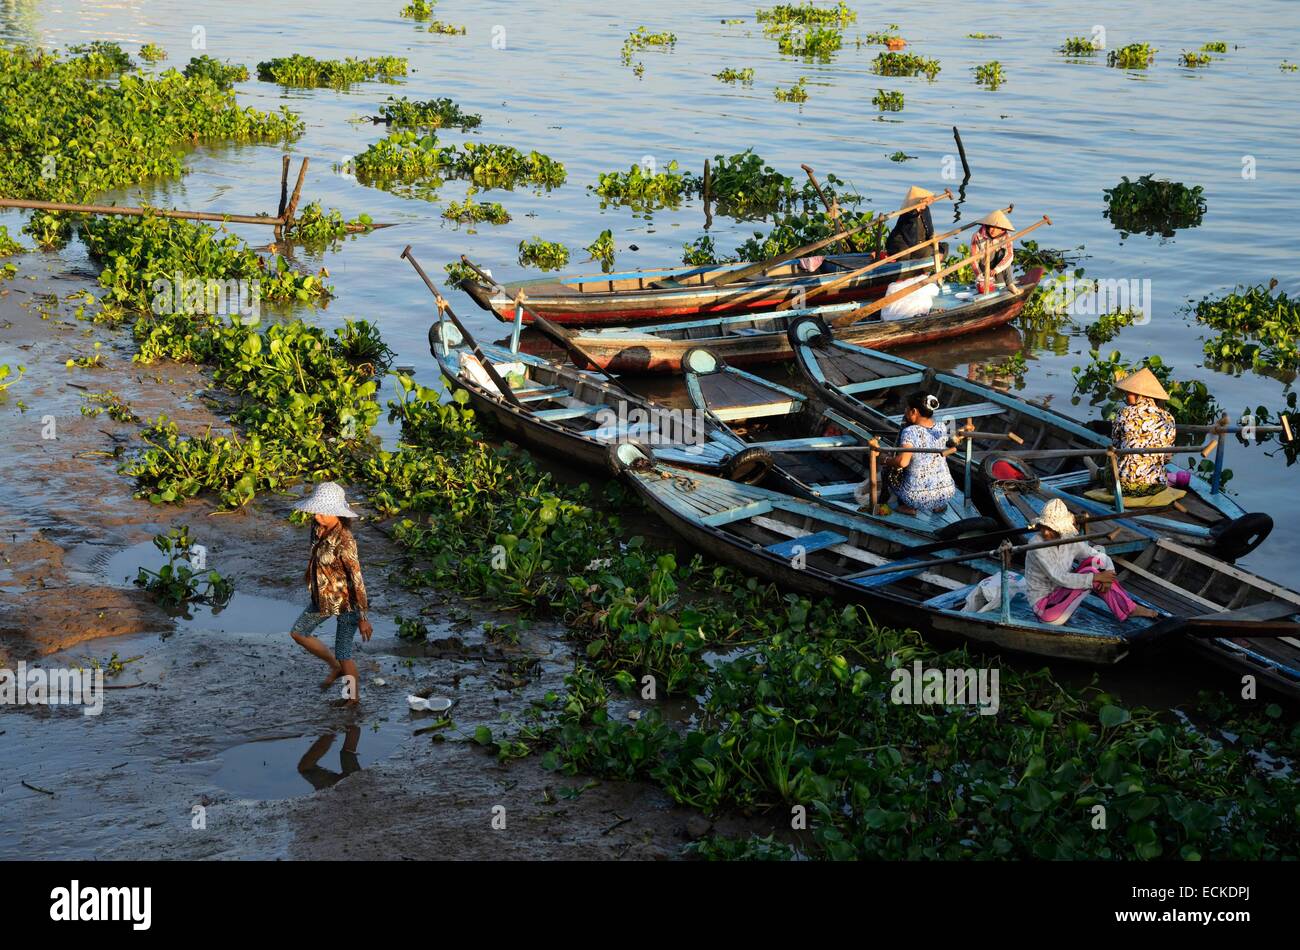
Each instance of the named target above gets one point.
<point>888,101</point>
<point>99,60</point>
<point>316,228</point>
<point>989,75</point>
<point>602,249</point>
<point>178,583</point>
<point>785,15</point>
<point>733,75</point>
<point>1150,205</point>
<point>308,71</point>
<point>418,9</point>
<point>446,29</point>
<point>473,212</point>
<point>796,93</point>
<point>404,113</point>
<point>1193,60</point>
<point>152,53</point>
<point>1254,327</point>
<point>224,75</point>
<point>1079,46</point>
<point>548,255</point>
<point>643,190</point>
<point>891,63</point>
<point>1133,56</point>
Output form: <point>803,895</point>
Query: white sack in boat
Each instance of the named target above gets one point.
<point>987,594</point>
<point>914,304</point>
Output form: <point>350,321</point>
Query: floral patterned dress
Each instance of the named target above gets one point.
<point>926,484</point>
<point>1144,425</point>
<point>334,572</point>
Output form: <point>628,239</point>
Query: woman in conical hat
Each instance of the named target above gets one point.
<point>912,227</point>
<point>1143,423</point>
<point>991,246</point>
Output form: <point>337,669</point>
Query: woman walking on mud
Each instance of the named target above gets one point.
<point>337,590</point>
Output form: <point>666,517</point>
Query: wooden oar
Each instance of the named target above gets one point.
<point>832,208</point>
<point>579,356</point>
<point>853,316</point>
<point>729,277</point>
<point>445,308</point>
<point>906,252</point>
<point>996,552</point>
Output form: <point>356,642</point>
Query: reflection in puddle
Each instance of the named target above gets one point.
<point>288,767</point>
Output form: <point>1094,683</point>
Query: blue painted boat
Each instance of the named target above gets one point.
<point>823,551</point>
<point>577,415</point>
<point>812,445</point>
<point>870,387</point>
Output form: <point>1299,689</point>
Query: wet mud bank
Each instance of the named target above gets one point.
<point>214,739</point>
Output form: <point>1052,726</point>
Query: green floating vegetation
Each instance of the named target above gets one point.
<point>1133,56</point>
<point>8,246</point>
<point>702,251</point>
<point>805,14</point>
<point>1255,327</point>
<point>404,113</point>
<point>732,75</point>
<point>99,60</point>
<point>470,211</point>
<point>1215,46</point>
<point>1288,67</point>
<point>548,255</point>
<point>1079,46</point>
<point>308,71</point>
<point>796,93</point>
<point>642,190</point>
<point>94,360</point>
<point>744,186</point>
<point>983,36</point>
<point>881,37</point>
<point>224,75</point>
<point>900,157</point>
<point>1108,325</point>
<point>793,230</point>
<point>1152,206</point>
<point>6,372</point>
<point>602,249</point>
<point>139,255</point>
<point>888,101</point>
<point>640,39</point>
<point>418,9</point>
<point>1193,60</point>
<point>78,139</point>
<point>458,273</point>
<point>152,53</point>
<point>177,584</point>
<point>118,409</point>
<point>405,157</point>
<point>990,75</point>
<point>446,29</point>
<point>316,228</point>
<point>816,42</point>
<point>891,63</point>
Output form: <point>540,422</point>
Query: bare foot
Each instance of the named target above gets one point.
<point>1140,611</point>
<point>346,703</point>
<point>328,681</point>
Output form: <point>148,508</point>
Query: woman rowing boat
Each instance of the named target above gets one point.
<point>993,253</point>
<point>912,227</point>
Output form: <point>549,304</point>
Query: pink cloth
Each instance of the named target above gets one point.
<point>811,264</point>
<point>1063,599</point>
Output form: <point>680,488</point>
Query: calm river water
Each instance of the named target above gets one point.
<point>1050,139</point>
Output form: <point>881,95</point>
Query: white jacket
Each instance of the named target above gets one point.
<point>1046,569</point>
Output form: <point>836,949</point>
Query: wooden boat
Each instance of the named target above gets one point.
<point>577,415</point>
<point>823,551</point>
<point>1187,580</point>
<point>645,296</point>
<point>870,387</point>
<point>810,443</point>
<point>761,337</point>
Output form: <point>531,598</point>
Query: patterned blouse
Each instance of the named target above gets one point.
<point>334,572</point>
<point>926,484</point>
<point>1144,425</point>
<point>1001,253</point>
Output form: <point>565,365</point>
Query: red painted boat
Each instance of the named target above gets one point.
<point>648,296</point>
<point>750,339</point>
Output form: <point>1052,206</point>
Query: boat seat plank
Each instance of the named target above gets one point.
<point>1266,610</point>
<point>541,394</point>
<point>782,407</point>
<point>885,382</point>
<point>836,489</point>
<point>812,442</point>
<point>808,543</point>
<point>738,514</point>
<point>974,410</point>
<point>568,412</point>
<point>856,553</point>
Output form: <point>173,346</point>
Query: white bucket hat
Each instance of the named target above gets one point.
<point>1057,517</point>
<point>327,499</point>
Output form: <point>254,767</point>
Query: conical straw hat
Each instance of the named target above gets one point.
<point>1143,383</point>
<point>996,219</point>
<point>915,195</point>
<point>1057,517</point>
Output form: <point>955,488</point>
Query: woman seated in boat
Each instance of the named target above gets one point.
<point>920,480</point>
<point>1143,423</point>
<point>1057,579</point>
<point>912,227</point>
<point>993,254</point>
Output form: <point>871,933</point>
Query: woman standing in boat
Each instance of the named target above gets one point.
<point>993,254</point>
<point>337,590</point>
<point>1057,579</point>
<point>920,480</point>
<point>912,227</point>
<point>1143,423</point>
